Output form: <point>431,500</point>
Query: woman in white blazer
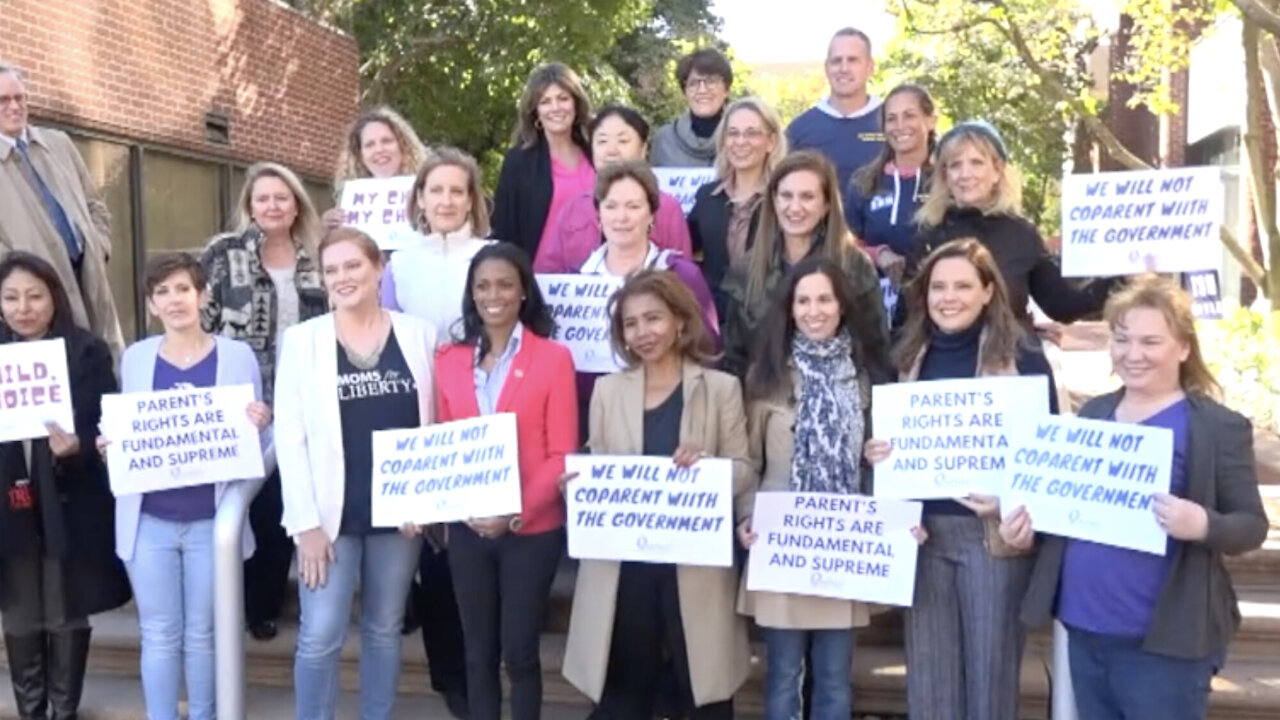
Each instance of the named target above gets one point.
<point>378,363</point>
<point>165,538</point>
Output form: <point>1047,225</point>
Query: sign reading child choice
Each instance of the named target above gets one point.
<point>841,546</point>
<point>446,472</point>
<point>645,509</point>
<point>380,207</point>
<point>1112,221</point>
<point>178,438</point>
<point>580,306</point>
<point>34,389</point>
<point>1091,480</point>
<point>951,437</point>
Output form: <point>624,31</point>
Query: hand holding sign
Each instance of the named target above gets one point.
<point>1016,530</point>
<point>62,443</point>
<point>259,414</point>
<point>1181,519</point>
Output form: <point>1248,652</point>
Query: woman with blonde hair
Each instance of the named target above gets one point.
<point>380,144</point>
<point>262,279</point>
<point>749,145</point>
<point>1147,632</point>
<point>551,161</point>
<point>801,216</point>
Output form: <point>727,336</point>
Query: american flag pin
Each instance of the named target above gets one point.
<point>519,373</point>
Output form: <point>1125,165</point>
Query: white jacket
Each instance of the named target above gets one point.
<point>308,422</point>
<point>428,280</point>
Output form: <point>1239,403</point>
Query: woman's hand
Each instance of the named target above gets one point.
<point>745,534</point>
<point>410,530</point>
<point>877,451</point>
<point>982,505</point>
<point>891,264</point>
<point>62,443</point>
<point>259,414</point>
<point>564,480</point>
<point>101,443</point>
<point>687,455</point>
<point>1181,519</point>
<point>315,554</point>
<point>920,534</point>
<point>490,527</point>
<point>1016,530</point>
<point>333,217</point>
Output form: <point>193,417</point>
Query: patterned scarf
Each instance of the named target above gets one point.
<point>829,425</point>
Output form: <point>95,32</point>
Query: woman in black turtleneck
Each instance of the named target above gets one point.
<point>960,324</point>
<point>705,76</point>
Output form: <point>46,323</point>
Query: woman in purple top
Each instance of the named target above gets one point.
<point>618,134</point>
<point>165,538</point>
<point>1147,632</point>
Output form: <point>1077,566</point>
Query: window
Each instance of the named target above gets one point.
<point>108,164</point>
<point>180,202</point>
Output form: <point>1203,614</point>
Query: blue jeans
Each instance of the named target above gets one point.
<point>172,577</point>
<point>383,565</point>
<point>1115,679</point>
<point>831,661</point>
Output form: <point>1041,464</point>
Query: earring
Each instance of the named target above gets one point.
<point>537,123</point>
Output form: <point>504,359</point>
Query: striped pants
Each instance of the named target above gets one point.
<point>964,639</point>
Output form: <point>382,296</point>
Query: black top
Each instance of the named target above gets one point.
<point>384,398</point>
<point>705,127</point>
<point>662,425</point>
<point>708,228</point>
<point>523,198</point>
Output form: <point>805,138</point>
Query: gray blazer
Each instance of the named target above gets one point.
<point>1197,613</point>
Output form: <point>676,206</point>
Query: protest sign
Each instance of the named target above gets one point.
<point>580,306</point>
<point>178,438</point>
<point>380,207</point>
<point>1091,480</point>
<point>850,547</point>
<point>1206,294</point>
<point>645,509</point>
<point>446,472</point>
<point>1112,221</point>
<point>951,437</point>
<point>683,183</point>
<point>34,389</point>
<point>888,293</point>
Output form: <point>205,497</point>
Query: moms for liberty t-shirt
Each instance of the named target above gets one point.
<point>384,397</point>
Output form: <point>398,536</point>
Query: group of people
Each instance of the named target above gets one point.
<point>753,330</point>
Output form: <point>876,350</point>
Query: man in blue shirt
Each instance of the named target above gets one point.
<point>845,126</point>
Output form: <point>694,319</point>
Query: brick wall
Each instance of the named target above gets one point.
<point>151,69</point>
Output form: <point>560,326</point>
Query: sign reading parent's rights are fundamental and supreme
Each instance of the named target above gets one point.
<point>1091,480</point>
<point>178,438</point>
<point>951,437</point>
<point>1111,222</point>
<point>683,183</point>
<point>380,207</point>
<point>580,306</point>
<point>645,509</point>
<point>850,547</point>
<point>446,472</point>
<point>34,389</point>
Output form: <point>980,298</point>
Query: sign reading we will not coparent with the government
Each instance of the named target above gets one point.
<point>1111,222</point>
<point>951,438</point>
<point>841,546</point>
<point>178,438</point>
<point>683,183</point>
<point>645,509</point>
<point>1091,480</point>
<point>380,207</point>
<point>580,306</point>
<point>446,472</point>
<point>34,389</point>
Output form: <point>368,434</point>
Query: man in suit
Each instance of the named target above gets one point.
<point>49,207</point>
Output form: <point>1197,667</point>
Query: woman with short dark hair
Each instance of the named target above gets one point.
<point>705,77</point>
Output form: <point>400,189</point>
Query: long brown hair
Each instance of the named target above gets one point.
<point>1164,295</point>
<point>1004,334</point>
<point>528,129</point>
<point>694,343</point>
<point>867,177</point>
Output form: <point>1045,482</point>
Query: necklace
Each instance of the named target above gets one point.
<point>188,359</point>
<point>365,361</point>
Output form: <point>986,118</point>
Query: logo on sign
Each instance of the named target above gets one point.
<point>180,471</point>
<point>1077,518</point>
<point>644,543</point>
<point>818,580</point>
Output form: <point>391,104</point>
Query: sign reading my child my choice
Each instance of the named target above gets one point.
<point>580,306</point>
<point>1112,221</point>
<point>951,437</point>
<point>446,472</point>
<point>841,546</point>
<point>380,207</point>
<point>1091,480</point>
<point>645,509</point>
<point>34,389</point>
<point>178,438</point>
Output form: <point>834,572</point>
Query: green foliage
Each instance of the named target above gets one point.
<point>791,93</point>
<point>1241,351</point>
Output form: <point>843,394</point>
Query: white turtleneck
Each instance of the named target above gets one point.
<point>430,277</point>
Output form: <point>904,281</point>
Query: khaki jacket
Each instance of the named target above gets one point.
<point>25,225</point>
<point>715,635</point>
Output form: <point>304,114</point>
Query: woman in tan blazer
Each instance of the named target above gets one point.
<point>628,616</point>
<point>809,391</point>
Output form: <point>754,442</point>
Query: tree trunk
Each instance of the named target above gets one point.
<point>1261,178</point>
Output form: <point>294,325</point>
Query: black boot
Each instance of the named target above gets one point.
<point>27,671</point>
<point>68,656</point>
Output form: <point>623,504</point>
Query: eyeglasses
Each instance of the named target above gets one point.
<point>18,100</point>
<point>703,83</point>
<point>750,134</point>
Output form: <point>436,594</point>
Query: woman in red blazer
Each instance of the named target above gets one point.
<point>503,566</point>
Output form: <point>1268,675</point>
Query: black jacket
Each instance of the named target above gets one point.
<point>75,507</point>
<point>1196,614</point>
<point>523,198</point>
<point>1029,269</point>
<point>708,227</point>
